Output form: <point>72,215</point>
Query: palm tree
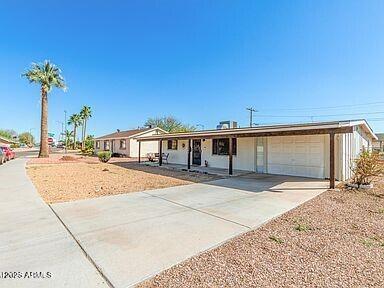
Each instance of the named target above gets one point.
<point>74,120</point>
<point>85,114</point>
<point>47,75</point>
<point>68,135</point>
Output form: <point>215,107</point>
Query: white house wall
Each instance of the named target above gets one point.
<point>244,160</point>
<point>351,145</point>
<point>309,154</point>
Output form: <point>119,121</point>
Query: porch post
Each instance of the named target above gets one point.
<point>230,156</point>
<point>189,154</point>
<point>160,152</point>
<point>332,160</point>
<point>139,151</point>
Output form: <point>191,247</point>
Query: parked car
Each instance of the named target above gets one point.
<point>3,158</point>
<point>9,154</point>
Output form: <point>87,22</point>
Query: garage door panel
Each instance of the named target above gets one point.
<point>296,155</point>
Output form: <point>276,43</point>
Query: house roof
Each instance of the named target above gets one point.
<point>344,126</point>
<point>128,133</point>
<point>6,141</point>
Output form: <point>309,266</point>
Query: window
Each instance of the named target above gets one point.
<point>106,145</point>
<point>123,144</point>
<point>221,146</point>
<point>172,144</point>
<point>97,144</point>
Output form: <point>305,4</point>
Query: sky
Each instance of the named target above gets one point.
<point>200,61</point>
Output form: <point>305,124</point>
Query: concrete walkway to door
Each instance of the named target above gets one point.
<point>35,248</point>
<point>135,236</point>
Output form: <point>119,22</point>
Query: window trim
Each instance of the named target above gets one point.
<point>97,144</point>
<point>234,147</point>
<point>170,145</point>
<point>105,145</point>
<point>125,144</point>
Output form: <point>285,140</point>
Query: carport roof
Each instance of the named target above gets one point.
<point>344,126</point>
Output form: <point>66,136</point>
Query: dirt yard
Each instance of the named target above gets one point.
<point>334,240</point>
<point>74,179</point>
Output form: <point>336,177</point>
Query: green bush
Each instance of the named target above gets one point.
<point>104,156</point>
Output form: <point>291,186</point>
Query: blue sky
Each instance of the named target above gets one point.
<point>201,61</point>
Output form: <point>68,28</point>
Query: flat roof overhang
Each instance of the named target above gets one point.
<point>254,132</point>
<point>336,127</point>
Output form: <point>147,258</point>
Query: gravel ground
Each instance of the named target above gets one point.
<point>81,179</point>
<point>334,240</point>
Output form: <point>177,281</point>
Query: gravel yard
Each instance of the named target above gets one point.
<point>81,179</point>
<point>334,240</point>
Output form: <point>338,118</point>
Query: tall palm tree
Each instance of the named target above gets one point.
<point>74,120</point>
<point>48,76</point>
<point>85,114</point>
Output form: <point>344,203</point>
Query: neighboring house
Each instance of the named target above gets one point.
<point>317,150</point>
<point>4,142</point>
<point>125,142</point>
<point>378,145</point>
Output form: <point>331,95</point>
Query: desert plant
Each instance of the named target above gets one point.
<point>104,156</point>
<point>365,167</point>
<point>276,239</point>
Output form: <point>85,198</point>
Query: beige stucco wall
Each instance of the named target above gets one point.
<point>132,146</point>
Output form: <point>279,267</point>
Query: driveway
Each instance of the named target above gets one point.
<point>134,236</point>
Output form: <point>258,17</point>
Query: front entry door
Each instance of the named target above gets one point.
<point>196,152</point>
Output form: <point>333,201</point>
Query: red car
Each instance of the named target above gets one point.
<point>9,154</point>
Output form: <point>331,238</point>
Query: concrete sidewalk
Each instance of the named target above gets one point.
<point>33,242</point>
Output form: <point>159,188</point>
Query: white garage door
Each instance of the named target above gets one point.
<point>296,156</point>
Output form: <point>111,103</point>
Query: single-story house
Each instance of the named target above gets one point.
<point>4,142</point>
<point>125,142</point>
<point>322,150</point>
<point>378,145</point>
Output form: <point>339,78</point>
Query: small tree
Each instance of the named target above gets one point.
<point>26,138</point>
<point>170,124</point>
<point>366,167</point>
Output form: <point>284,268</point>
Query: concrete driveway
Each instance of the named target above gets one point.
<point>134,236</point>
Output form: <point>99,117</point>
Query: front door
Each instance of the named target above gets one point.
<point>196,152</point>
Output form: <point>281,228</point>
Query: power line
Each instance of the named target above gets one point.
<point>312,116</point>
<point>325,107</point>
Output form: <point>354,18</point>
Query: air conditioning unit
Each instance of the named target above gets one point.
<point>226,125</point>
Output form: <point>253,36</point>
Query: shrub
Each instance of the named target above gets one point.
<point>366,167</point>
<point>104,156</point>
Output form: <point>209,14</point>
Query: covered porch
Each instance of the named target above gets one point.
<point>198,169</point>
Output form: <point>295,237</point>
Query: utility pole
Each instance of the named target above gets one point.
<point>65,131</point>
<point>251,110</point>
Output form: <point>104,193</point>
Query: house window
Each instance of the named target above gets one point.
<point>172,144</point>
<point>106,145</point>
<point>123,144</point>
<point>97,144</point>
<point>221,146</point>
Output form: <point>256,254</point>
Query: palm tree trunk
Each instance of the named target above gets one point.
<point>85,131</point>
<point>44,149</point>
<point>82,135</point>
<point>74,137</point>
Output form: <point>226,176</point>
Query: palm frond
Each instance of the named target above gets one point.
<point>46,74</point>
